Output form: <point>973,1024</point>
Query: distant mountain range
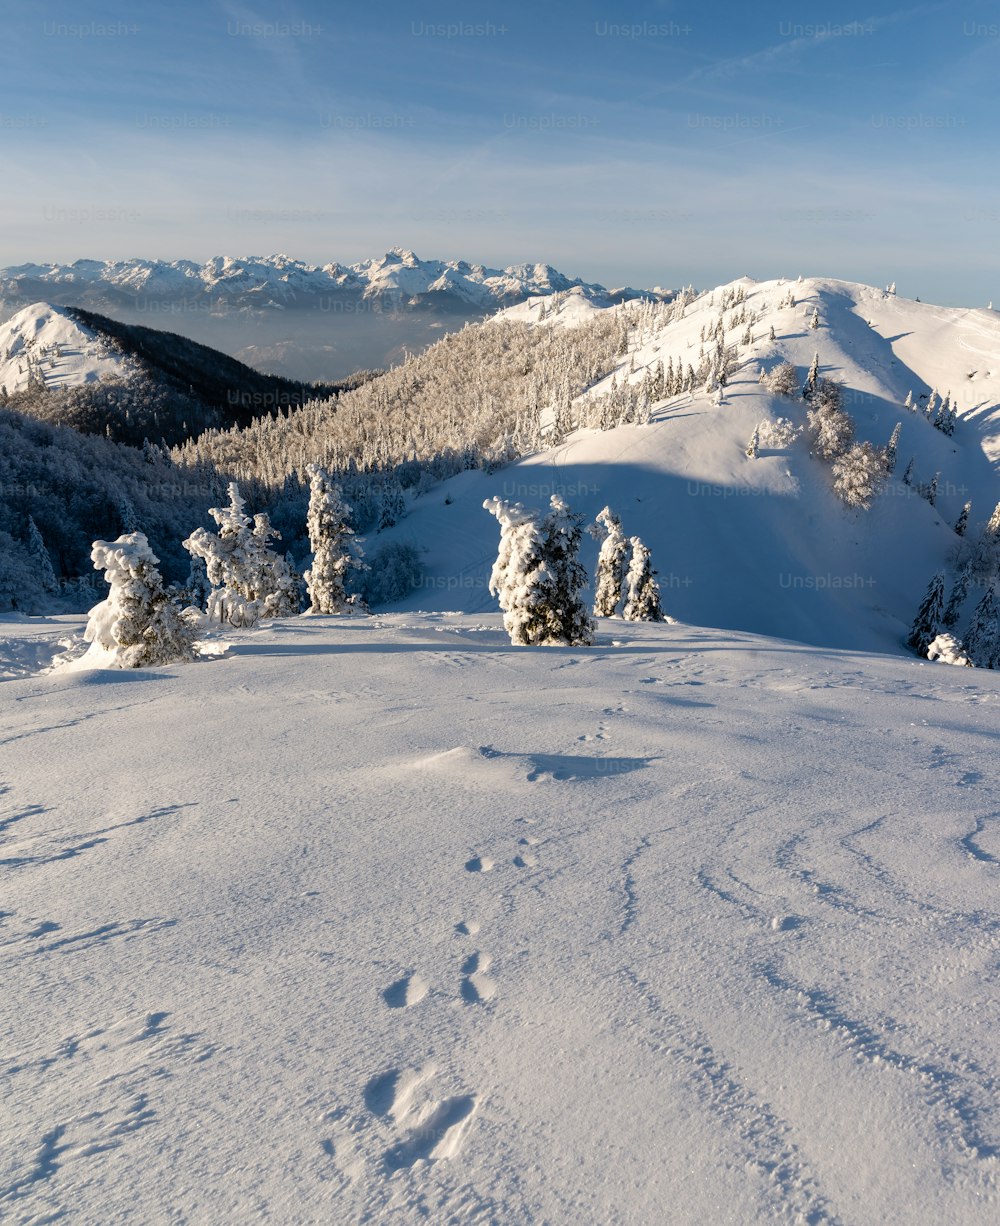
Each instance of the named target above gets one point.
<point>302,321</point>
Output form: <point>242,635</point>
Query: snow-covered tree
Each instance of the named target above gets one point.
<point>962,523</point>
<point>335,548</point>
<point>249,580</point>
<point>908,474</point>
<point>515,572</point>
<point>927,624</point>
<point>137,625</point>
<point>982,641</point>
<point>127,515</point>
<point>891,447</point>
<point>643,592</point>
<point>908,402</point>
<point>959,592</point>
<point>537,576</point>
<point>753,447</point>
<point>830,428</point>
<point>814,318</point>
<point>858,475</point>
<point>610,563</point>
<point>45,573</point>
<point>812,379</point>
<point>783,380</point>
<point>948,650</point>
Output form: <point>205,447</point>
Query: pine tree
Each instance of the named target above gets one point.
<point>515,572</point>
<point>992,529</point>
<point>814,319</point>
<point>40,557</point>
<point>610,563</point>
<point>931,408</point>
<point>891,446</point>
<point>932,489</point>
<point>908,474</point>
<point>563,577</point>
<point>138,624</point>
<point>812,378</point>
<point>754,444</point>
<point>927,624</point>
<point>959,592</point>
<point>982,642</point>
<point>643,601</point>
<point>908,402</point>
<point>962,523</point>
<point>248,578</point>
<point>770,335</point>
<point>335,548</point>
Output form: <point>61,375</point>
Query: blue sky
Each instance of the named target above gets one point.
<point>651,143</point>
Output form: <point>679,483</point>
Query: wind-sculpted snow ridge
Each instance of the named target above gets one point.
<point>384,919</point>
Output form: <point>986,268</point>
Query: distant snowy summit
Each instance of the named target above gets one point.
<point>397,281</point>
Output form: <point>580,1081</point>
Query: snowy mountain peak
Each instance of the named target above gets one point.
<point>45,345</point>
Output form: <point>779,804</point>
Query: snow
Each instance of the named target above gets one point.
<point>382,919</point>
<point>83,354</point>
<point>761,545</point>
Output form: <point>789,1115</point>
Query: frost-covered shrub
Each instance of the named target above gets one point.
<point>138,624</point>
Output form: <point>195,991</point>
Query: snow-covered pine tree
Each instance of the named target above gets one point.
<point>931,408</point>
<point>562,577</point>
<point>515,572</point>
<point>982,641</point>
<point>927,624</point>
<point>908,402</point>
<point>771,336</point>
<point>783,380</point>
<point>336,550</point>
<point>812,378</point>
<point>643,592</point>
<point>814,319</point>
<point>891,447</point>
<point>137,625</point>
<point>992,530</point>
<point>248,578</point>
<point>858,475</point>
<point>44,571</point>
<point>830,428</point>
<point>610,563</point>
<point>959,592</point>
<point>753,447</point>
<point>932,489</point>
<point>962,523</point>
<point>127,515</point>
<point>908,474</point>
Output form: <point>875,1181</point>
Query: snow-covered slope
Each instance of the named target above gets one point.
<point>761,545</point>
<point>383,920</point>
<point>45,343</point>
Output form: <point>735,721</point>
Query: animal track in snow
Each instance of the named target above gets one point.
<point>524,859</point>
<point>409,990</point>
<point>477,987</point>
<point>479,864</point>
<point>468,928</point>
<point>436,1129</point>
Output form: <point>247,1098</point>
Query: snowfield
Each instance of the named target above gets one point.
<point>381,919</point>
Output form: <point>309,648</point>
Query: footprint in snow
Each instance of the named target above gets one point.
<point>525,859</point>
<point>409,990</point>
<point>477,987</point>
<point>468,928</point>
<point>479,864</point>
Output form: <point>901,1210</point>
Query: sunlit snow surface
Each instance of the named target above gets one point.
<point>380,919</point>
